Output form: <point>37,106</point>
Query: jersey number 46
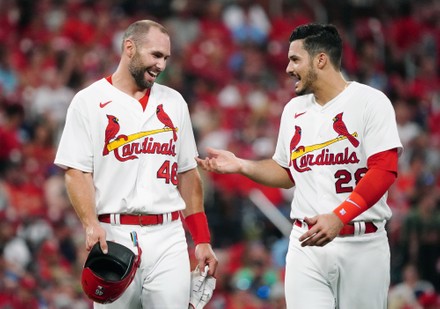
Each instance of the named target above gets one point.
<point>168,172</point>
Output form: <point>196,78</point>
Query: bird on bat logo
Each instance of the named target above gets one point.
<point>166,120</point>
<point>110,131</point>
<point>341,129</point>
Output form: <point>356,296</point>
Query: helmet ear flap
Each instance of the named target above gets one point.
<point>106,276</point>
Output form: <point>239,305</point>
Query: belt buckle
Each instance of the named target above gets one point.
<point>304,225</point>
<point>140,220</point>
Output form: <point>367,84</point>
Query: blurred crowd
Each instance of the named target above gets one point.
<point>228,60</point>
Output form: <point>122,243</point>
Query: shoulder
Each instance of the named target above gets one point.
<point>163,92</point>
<point>96,86</point>
<point>93,90</point>
<point>90,97</point>
<point>299,103</point>
<point>368,92</point>
<point>369,99</point>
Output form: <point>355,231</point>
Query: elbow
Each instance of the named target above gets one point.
<point>287,184</point>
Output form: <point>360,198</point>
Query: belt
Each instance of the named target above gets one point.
<point>139,219</point>
<point>353,228</point>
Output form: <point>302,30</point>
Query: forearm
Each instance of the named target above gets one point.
<point>266,172</point>
<point>190,188</point>
<point>81,192</point>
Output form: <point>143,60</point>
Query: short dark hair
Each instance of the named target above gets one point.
<point>139,29</point>
<point>320,38</point>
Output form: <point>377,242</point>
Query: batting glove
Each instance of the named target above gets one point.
<point>202,288</point>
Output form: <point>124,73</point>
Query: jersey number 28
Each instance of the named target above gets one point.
<point>344,177</point>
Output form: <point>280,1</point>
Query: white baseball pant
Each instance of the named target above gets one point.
<point>163,278</point>
<point>349,272</point>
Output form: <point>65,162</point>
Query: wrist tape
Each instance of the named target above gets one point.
<point>198,228</point>
<point>352,207</point>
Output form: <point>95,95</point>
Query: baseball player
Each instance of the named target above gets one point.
<point>338,145</point>
<point>128,149</point>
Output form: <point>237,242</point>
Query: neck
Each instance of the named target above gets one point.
<point>328,88</point>
<point>124,81</point>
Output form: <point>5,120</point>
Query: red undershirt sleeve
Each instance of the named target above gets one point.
<point>382,172</point>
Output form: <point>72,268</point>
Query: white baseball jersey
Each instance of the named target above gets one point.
<point>326,147</point>
<point>134,155</point>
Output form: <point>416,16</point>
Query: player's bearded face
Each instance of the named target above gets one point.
<point>301,67</point>
<point>138,70</point>
<point>308,78</point>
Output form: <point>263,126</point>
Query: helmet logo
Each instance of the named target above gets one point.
<point>99,291</point>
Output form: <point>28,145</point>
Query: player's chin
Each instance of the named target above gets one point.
<point>299,90</point>
<point>149,81</point>
<point>302,89</point>
<point>298,87</point>
<point>149,85</point>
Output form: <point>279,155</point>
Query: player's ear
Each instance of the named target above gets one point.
<point>321,60</point>
<point>129,47</point>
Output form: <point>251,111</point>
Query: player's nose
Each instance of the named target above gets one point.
<point>161,64</point>
<point>289,69</point>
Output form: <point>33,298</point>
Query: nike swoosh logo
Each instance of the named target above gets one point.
<point>102,105</point>
<point>299,114</point>
<point>351,201</point>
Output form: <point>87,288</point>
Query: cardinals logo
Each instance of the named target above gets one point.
<point>302,158</point>
<point>341,129</point>
<point>166,120</point>
<point>126,147</point>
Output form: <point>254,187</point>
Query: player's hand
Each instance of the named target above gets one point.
<point>206,256</point>
<point>325,228</point>
<point>220,161</point>
<point>96,233</point>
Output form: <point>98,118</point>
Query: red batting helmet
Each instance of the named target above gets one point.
<point>106,276</point>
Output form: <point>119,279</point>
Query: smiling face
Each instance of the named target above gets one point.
<point>301,67</point>
<point>149,58</point>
